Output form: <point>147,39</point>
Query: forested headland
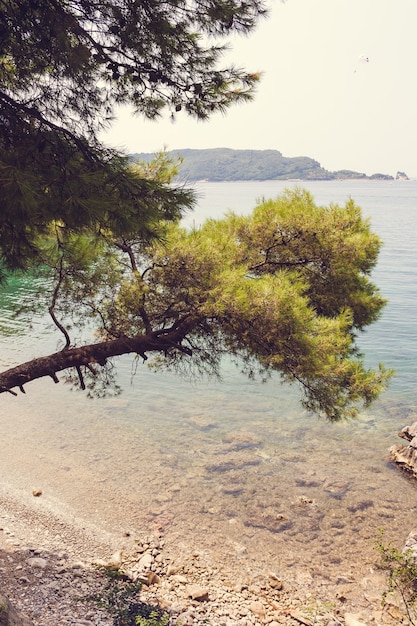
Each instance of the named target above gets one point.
<point>220,164</point>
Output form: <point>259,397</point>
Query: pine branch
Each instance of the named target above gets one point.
<point>89,355</point>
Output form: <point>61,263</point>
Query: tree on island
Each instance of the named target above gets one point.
<point>284,290</point>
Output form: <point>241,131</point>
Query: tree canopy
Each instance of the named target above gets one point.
<point>282,291</point>
<point>64,67</point>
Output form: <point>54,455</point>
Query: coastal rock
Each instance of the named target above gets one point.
<point>152,579</point>
<point>275,582</point>
<point>198,593</point>
<point>115,560</point>
<point>409,432</point>
<point>146,561</point>
<point>401,176</point>
<point>172,569</point>
<point>411,543</point>
<point>9,616</point>
<point>179,578</point>
<point>406,456</point>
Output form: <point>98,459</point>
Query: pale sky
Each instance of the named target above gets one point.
<point>317,98</point>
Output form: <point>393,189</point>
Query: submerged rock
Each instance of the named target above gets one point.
<point>241,440</point>
<point>233,461</point>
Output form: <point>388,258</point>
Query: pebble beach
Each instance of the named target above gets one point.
<point>49,566</point>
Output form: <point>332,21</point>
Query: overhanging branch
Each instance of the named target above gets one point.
<point>88,356</point>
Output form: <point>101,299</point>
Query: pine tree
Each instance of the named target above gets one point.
<point>64,67</point>
<point>283,291</point>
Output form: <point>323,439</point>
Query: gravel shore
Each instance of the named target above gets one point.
<point>49,565</point>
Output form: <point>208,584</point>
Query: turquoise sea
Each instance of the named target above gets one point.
<point>234,468</point>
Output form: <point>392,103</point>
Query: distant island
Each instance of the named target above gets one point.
<point>221,164</point>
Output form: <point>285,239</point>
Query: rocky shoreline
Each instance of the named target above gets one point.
<point>49,566</point>
<point>406,456</point>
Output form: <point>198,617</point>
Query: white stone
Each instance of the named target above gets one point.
<point>146,561</point>
<point>304,577</point>
<point>257,609</point>
<point>352,619</point>
<point>37,562</point>
<point>116,559</point>
<point>198,593</point>
<point>179,579</point>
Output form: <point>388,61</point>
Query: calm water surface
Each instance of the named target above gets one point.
<point>236,469</point>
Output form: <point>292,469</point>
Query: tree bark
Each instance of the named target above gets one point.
<point>96,353</point>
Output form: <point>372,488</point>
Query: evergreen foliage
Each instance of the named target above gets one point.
<point>283,291</point>
<point>120,598</point>
<point>401,569</point>
<point>64,66</point>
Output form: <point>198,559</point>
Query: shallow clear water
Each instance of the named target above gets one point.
<point>234,468</point>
